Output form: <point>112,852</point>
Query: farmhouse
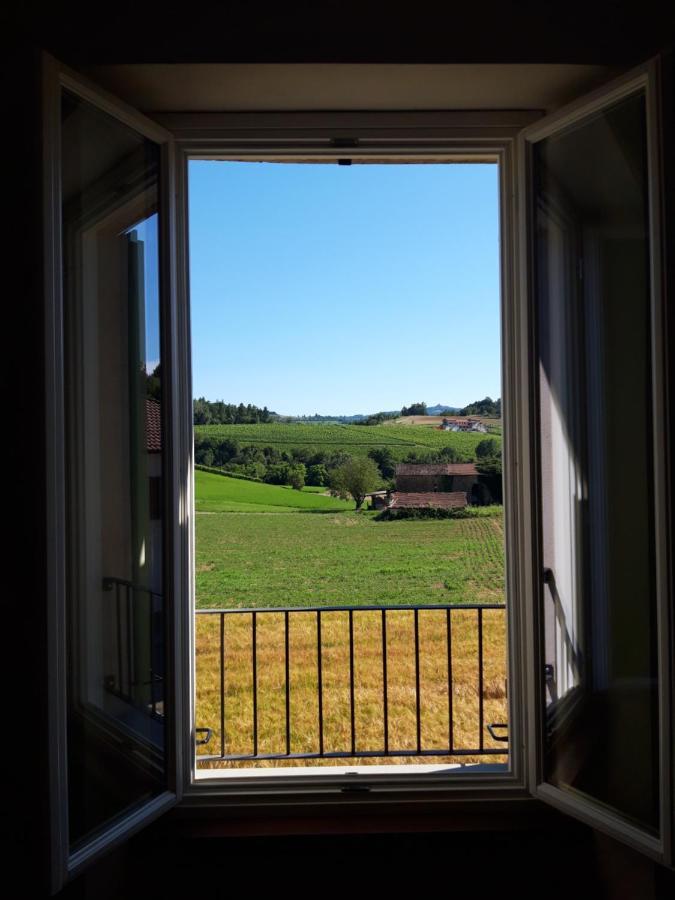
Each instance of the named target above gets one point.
<point>463,425</point>
<point>416,478</point>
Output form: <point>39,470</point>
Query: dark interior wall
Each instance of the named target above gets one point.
<point>618,33</point>
<point>23,597</point>
<point>607,33</point>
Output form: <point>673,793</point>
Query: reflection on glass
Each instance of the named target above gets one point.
<point>593,299</point>
<point>114,468</point>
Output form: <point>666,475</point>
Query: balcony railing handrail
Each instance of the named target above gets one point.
<point>390,607</point>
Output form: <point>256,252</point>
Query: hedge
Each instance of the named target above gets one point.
<point>227,474</point>
<point>466,512</point>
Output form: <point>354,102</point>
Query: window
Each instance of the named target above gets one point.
<point>366,146</point>
<point>520,154</point>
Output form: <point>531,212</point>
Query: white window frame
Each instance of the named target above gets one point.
<point>432,137</point>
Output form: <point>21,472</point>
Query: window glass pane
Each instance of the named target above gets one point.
<point>349,539</point>
<point>593,305</point>
<point>114,468</point>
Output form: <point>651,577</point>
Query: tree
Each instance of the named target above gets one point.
<point>202,412</point>
<point>490,465</point>
<point>415,409</point>
<point>485,407</point>
<point>225,451</point>
<point>277,473</point>
<point>317,475</point>
<point>487,448</point>
<point>296,477</point>
<point>358,476</point>
<point>451,455</point>
<point>385,461</point>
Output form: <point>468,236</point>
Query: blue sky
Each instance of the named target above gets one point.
<point>344,289</point>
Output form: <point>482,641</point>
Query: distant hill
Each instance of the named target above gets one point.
<point>440,410</point>
<point>208,412</point>
<point>321,419</point>
<point>437,410</point>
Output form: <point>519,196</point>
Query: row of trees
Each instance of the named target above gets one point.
<point>298,466</point>
<point>269,464</point>
<point>486,407</point>
<point>208,412</point>
<point>376,418</point>
<point>335,469</point>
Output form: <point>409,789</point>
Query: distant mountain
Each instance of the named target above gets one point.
<point>440,410</point>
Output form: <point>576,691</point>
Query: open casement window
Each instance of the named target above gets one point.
<point>112,508</point>
<point>584,455</point>
<point>600,708</point>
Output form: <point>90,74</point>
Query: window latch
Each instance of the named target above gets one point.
<point>208,734</point>
<point>495,737</point>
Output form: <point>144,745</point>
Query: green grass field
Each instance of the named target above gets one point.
<point>354,439</point>
<point>265,545</point>
<point>219,494</point>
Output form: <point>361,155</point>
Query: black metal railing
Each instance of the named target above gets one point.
<point>496,731</point>
<point>136,616</point>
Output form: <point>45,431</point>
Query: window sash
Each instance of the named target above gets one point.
<point>55,79</point>
<point>643,78</point>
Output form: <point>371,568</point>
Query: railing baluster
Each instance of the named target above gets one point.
<point>320,678</point>
<point>152,653</point>
<point>288,686</point>
<point>222,684</point>
<point>385,687</point>
<point>254,651</point>
<point>351,680</point>
<point>118,609</point>
<point>480,677</point>
<point>130,646</point>
<point>417,681</point>
<point>448,638</point>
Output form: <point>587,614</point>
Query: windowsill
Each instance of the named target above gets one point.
<point>376,790</point>
<point>385,772</point>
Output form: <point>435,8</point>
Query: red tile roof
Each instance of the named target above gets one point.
<point>153,426</point>
<point>436,469</point>
<point>429,500</point>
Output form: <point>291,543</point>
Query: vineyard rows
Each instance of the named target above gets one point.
<point>355,439</point>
